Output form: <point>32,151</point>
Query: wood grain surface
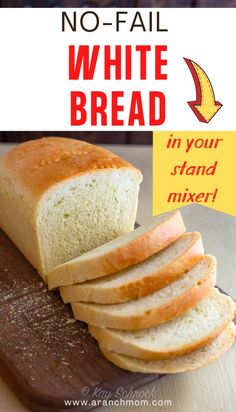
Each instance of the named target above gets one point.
<point>45,355</point>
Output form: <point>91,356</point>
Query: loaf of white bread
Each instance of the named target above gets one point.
<point>60,198</point>
<point>151,309</point>
<point>149,298</point>
<point>147,294</point>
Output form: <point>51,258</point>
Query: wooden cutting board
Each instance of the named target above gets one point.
<point>45,356</point>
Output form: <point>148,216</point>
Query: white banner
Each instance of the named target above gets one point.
<point>137,78</point>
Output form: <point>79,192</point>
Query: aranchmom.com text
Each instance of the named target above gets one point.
<point>118,402</point>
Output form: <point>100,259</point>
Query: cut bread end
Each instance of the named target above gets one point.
<point>121,252</point>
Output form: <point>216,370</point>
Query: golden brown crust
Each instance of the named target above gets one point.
<point>142,286</point>
<point>144,246</point>
<point>42,163</point>
<point>170,273</point>
<point>176,306</point>
<point>122,257</point>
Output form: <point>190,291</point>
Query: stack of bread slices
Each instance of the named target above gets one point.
<point>149,298</point>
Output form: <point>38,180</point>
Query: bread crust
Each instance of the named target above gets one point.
<point>39,164</point>
<point>169,366</point>
<point>140,287</point>
<point>106,339</point>
<point>179,304</point>
<point>122,257</point>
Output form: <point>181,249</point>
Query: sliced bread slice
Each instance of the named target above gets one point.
<point>156,308</point>
<point>121,252</point>
<point>190,331</point>
<point>143,278</point>
<point>191,361</point>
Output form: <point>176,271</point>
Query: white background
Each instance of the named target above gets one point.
<point>34,84</point>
